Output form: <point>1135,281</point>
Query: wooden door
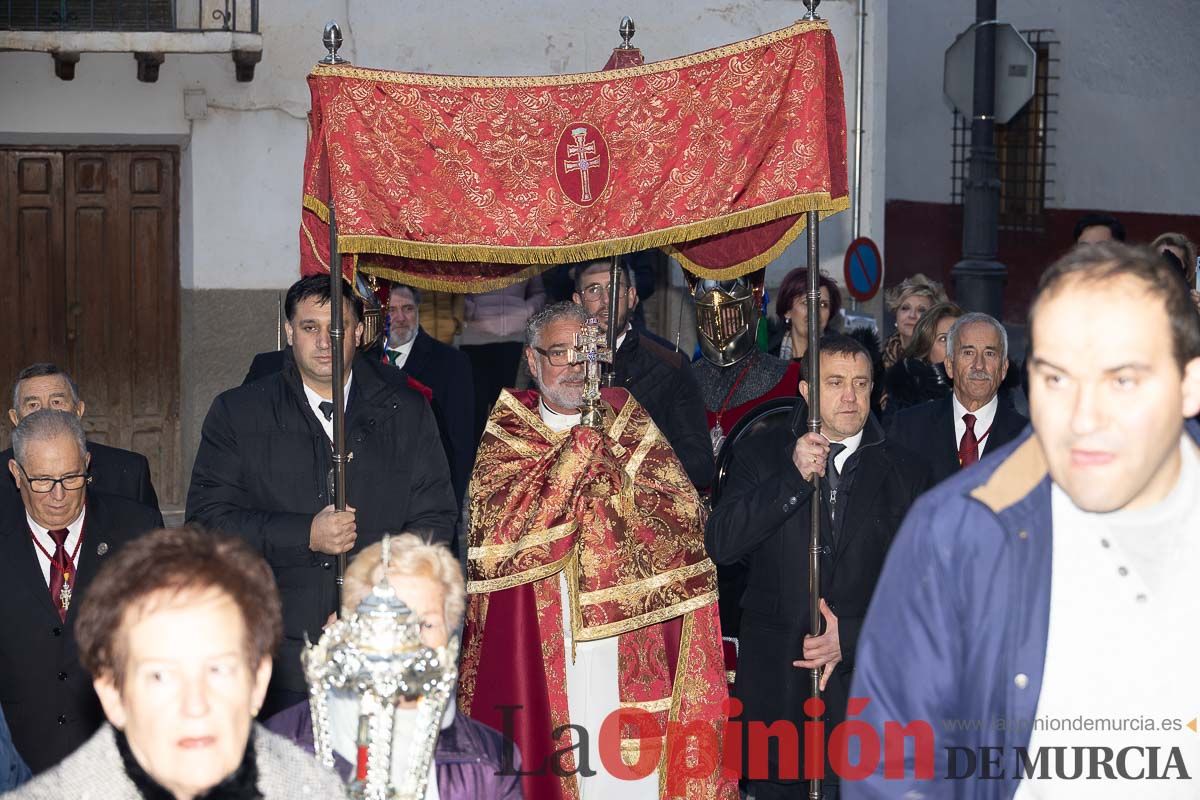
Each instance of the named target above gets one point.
<point>97,261</point>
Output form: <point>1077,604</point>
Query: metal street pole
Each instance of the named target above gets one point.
<point>979,278</point>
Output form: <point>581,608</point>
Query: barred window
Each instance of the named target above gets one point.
<point>1024,146</point>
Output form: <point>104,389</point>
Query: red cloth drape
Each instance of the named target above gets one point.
<point>469,184</point>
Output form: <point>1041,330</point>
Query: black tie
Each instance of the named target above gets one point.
<point>326,407</point>
<point>832,473</point>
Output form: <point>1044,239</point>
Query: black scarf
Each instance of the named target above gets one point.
<point>241,785</point>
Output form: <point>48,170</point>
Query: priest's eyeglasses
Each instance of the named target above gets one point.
<point>558,357</point>
<point>70,483</point>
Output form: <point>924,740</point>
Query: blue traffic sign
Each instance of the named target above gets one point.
<point>863,269</point>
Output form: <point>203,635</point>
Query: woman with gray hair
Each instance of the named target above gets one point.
<point>470,759</point>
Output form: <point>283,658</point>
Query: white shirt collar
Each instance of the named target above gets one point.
<point>404,350</point>
<point>74,531</point>
<point>315,400</point>
<point>851,443</point>
<point>984,417</point>
<point>621,338</point>
<point>556,421</point>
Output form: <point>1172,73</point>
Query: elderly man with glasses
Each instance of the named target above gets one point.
<point>51,545</point>
<point>589,591</point>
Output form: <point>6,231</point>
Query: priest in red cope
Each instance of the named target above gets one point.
<point>590,593</point>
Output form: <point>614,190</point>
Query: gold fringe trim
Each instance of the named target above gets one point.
<point>759,261</point>
<point>505,549</point>
<point>317,207</point>
<point>509,581</point>
<point>573,79</point>
<point>628,591</point>
<point>649,618</point>
<point>601,248</point>
<point>651,706</point>
<point>432,284</point>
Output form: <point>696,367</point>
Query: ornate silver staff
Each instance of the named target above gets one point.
<point>376,656</point>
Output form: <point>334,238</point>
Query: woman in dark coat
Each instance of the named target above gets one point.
<point>919,375</point>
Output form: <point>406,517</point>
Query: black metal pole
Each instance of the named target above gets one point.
<point>614,293</point>
<point>332,39</point>
<point>336,335</point>
<point>979,278</point>
<point>813,376</point>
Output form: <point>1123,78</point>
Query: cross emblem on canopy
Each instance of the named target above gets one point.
<point>582,164</point>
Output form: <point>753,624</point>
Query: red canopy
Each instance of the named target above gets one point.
<point>468,184</point>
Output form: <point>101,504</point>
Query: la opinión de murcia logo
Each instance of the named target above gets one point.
<point>854,750</point>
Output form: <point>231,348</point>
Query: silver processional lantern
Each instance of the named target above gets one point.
<point>376,657</point>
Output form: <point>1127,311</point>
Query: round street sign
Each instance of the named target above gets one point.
<point>863,269</point>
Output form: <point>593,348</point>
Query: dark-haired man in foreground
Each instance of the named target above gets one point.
<point>1056,580</point>
<point>264,467</point>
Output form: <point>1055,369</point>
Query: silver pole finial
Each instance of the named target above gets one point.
<point>332,39</point>
<point>811,5</point>
<point>627,30</point>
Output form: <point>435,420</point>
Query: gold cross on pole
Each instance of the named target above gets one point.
<point>590,349</point>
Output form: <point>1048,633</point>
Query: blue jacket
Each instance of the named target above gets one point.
<point>13,771</point>
<point>956,632</point>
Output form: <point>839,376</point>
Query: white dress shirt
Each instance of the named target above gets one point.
<point>74,531</point>
<point>851,443</point>
<point>315,400</point>
<point>404,351</point>
<point>984,418</point>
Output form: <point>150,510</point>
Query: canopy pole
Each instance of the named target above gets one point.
<point>812,358</point>
<point>332,39</point>
<point>614,293</point>
<point>337,334</point>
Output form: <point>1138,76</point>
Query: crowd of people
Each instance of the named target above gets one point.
<point>609,567</point>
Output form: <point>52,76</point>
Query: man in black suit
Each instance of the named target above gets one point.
<point>113,470</point>
<point>61,525</point>
<point>658,377</point>
<point>764,519</point>
<point>264,467</point>
<point>956,431</point>
<point>444,369</point>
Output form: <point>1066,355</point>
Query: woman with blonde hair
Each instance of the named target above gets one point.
<point>919,374</point>
<point>908,301</point>
<point>470,759</point>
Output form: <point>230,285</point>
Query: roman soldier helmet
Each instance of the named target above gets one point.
<point>727,316</point>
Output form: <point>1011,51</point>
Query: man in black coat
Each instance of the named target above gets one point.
<point>444,369</point>
<point>46,695</point>
<point>659,378</point>
<point>264,470</point>
<point>957,430</point>
<point>764,520</point>
<point>460,449</point>
<point>113,470</point>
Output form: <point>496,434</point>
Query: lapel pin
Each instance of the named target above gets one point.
<point>102,548</point>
